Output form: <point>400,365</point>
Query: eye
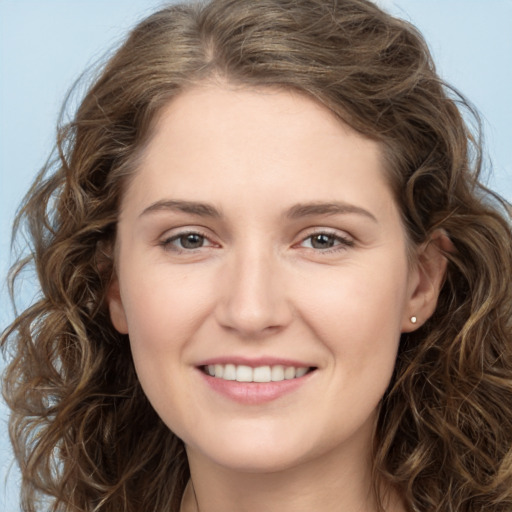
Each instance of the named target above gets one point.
<point>185,242</point>
<point>190,241</point>
<point>324,241</point>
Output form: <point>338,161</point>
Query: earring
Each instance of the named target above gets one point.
<point>413,319</point>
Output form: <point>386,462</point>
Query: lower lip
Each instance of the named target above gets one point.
<point>254,393</point>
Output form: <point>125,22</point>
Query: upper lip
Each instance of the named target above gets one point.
<point>255,362</point>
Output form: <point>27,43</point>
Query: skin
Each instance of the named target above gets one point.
<point>259,284</point>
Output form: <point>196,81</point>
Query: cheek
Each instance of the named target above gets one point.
<point>164,311</point>
<point>161,306</point>
<point>357,313</point>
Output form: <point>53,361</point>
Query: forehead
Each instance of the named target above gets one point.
<point>217,141</point>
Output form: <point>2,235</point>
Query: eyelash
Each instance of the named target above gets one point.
<point>167,243</point>
<point>340,242</point>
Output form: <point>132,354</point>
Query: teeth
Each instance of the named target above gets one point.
<point>243,373</point>
<point>277,373</point>
<point>300,372</point>
<point>262,374</point>
<point>229,372</point>
<point>289,372</point>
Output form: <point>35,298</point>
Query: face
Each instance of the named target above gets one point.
<point>262,277</point>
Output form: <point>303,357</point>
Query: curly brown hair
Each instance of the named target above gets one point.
<point>84,433</point>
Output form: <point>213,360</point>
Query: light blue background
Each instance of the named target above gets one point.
<point>46,44</point>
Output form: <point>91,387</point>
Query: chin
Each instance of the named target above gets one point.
<point>258,452</point>
<point>261,460</point>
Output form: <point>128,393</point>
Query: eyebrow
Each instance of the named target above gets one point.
<point>194,208</point>
<point>295,212</point>
<point>335,208</point>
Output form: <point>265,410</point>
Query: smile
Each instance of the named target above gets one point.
<point>260,374</point>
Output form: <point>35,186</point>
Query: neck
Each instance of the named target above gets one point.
<point>325,484</point>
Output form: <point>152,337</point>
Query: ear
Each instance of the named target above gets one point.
<point>426,280</point>
<point>116,307</point>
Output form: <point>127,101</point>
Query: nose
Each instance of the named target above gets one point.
<point>253,299</point>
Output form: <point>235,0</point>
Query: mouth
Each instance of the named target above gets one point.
<point>258,374</point>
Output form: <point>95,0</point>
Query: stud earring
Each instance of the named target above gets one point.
<point>413,319</point>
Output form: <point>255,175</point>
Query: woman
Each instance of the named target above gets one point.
<point>270,277</point>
